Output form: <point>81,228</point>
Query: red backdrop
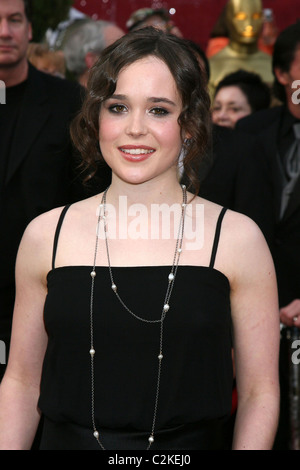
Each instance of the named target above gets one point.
<point>195,18</point>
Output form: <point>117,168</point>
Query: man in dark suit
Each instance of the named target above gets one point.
<point>35,147</point>
<point>276,145</point>
<point>236,176</point>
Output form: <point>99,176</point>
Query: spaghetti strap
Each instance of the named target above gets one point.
<point>217,237</point>
<point>57,231</point>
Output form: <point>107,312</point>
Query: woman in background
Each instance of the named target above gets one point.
<point>239,94</point>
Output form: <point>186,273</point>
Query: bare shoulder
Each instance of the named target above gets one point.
<point>236,227</point>
<point>38,239</point>
<point>41,229</point>
<point>241,229</point>
<point>36,244</point>
<point>242,246</point>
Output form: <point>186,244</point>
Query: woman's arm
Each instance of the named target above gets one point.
<point>19,390</point>
<point>256,330</point>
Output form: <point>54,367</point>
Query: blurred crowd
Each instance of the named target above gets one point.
<point>252,71</point>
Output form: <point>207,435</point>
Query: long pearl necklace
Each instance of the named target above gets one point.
<point>165,309</point>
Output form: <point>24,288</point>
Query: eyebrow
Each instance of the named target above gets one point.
<point>17,13</point>
<point>228,103</point>
<point>152,99</point>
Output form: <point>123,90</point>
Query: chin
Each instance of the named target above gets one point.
<point>133,179</point>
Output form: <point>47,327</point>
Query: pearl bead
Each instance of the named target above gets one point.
<point>151,439</point>
<point>96,434</point>
<point>92,352</point>
<point>179,250</point>
<point>166,307</point>
<point>160,356</point>
<point>183,186</point>
<point>114,287</point>
<point>93,274</point>
<point>171,277</point>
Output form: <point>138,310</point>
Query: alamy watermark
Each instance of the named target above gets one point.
<point>160,221</point>
<point>296,354</point>
<point>2,92</point>
<point>296,94</point>
<point>2,353</point>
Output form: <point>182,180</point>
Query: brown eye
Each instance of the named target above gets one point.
<point>117,108</point>
<point>159,111</point>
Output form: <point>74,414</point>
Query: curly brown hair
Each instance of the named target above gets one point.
<point>194,118</point>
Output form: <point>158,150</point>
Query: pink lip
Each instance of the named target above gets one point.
<point>140,157</point>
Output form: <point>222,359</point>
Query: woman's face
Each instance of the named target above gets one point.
<point>230,105</point>
<point>139,134</point>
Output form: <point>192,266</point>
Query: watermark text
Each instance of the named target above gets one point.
<point>2,353</point>
<point>296,354</point>
<point>2,92</point>
<point>159,222</point>
<point>296,94</point>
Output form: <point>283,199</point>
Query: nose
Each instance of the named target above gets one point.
<point>136,124</point>
<point>5,30</point>
<point>220,116</point>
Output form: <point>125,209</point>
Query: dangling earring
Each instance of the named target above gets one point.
<point>185,145</point>
<point>181,157</point>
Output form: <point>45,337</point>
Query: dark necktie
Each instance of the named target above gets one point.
<point>292,168</point>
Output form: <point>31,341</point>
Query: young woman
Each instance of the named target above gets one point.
<point>128,303</point>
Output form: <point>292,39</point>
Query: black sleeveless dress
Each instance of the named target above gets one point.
<point>196,377</point>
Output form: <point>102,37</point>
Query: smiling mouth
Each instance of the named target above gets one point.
<point>136,154</point>
<point>137,151</point>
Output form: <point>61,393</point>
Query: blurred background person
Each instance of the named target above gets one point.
<point>36,165</point>
<point>158,18</point>
<point>84,45</point>
<point>238,95</point>
<point>46,60</point>
<point>55,33</point>
<point>277,143</point>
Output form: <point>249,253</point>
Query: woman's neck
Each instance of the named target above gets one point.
<point>151,192</point>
